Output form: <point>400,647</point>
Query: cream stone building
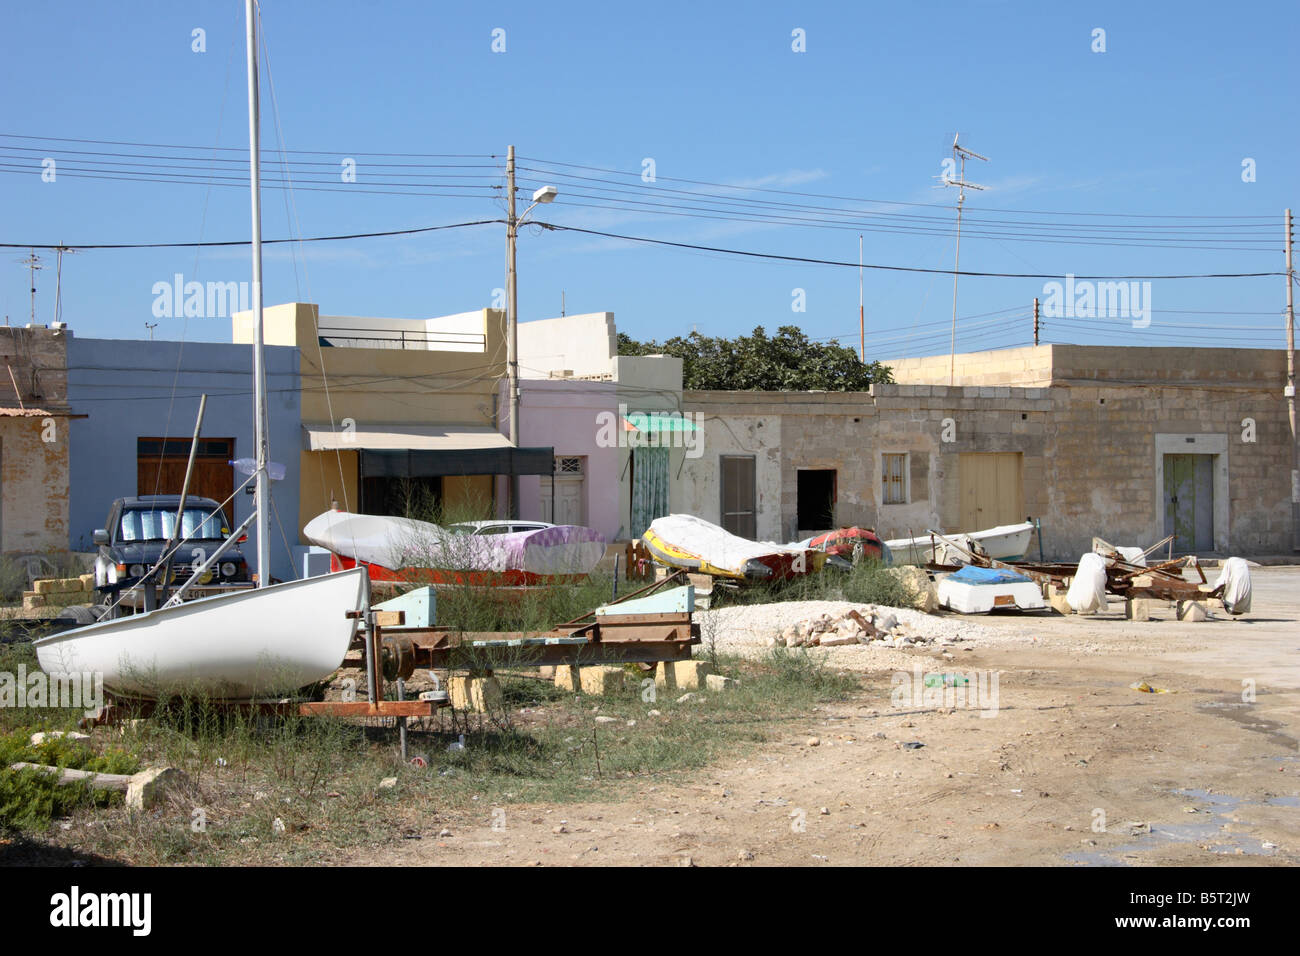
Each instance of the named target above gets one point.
<point>1129,444</point>
<point>398,413</point>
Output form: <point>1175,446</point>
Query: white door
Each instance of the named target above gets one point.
<point>564,497</point>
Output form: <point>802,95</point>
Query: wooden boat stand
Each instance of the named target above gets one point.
<point>590,639</point>
<point>1161,582</point>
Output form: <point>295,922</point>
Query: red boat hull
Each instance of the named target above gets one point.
<point>446,576</point>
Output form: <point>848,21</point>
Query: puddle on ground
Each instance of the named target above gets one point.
<point>1234,709</point>
<point>1222,808</point>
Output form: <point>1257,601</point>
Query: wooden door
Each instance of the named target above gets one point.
<point>992,492</point>
<point>739,512</point>
<point>160,469</point>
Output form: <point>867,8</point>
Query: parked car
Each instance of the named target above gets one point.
<point>137,531</point>
<point>498,526</point>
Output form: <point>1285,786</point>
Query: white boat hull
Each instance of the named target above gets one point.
<point>1008,542</point>
<point>231,646</point>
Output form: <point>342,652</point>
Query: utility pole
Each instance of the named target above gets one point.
<point>959,154</point>
<point>512,323</point>
<point>1289,391</point>
<point>862,321</point>
<point>1035,320</point>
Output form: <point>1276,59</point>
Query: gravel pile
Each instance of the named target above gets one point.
<point>754,629</point>
<point>758,625</point>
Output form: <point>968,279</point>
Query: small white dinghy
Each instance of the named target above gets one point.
<point>981,590</point>
<point>231,646</point>
<point>1006,542</point>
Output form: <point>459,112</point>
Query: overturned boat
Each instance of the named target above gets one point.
<point>404,549</point>
<point>1008,542</point>
<point>853,544</point>
<point>693,544</point>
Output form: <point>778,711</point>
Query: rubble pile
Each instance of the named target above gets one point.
<point>869,625</point>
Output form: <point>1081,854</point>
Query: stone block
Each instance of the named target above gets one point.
<point>1193,611</point>
<point>717,682</point>
<point>479,694</point>
<point>601,679</point>
<point>1137,609</point>
<point>1060,605</point>
<point>682,675</point>
<point>568,677</point>
<point>150,787</point>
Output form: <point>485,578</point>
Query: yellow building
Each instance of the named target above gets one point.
<point>398,415</point>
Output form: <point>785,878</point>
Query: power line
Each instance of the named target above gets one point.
<point>243,242</point>
<point>886,202</point>
<point>835,262</point>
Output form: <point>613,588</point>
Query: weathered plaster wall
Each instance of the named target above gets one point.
<point>699,490</point>
<point>34,449</point>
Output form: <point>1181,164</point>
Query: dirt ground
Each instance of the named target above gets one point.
<point>1072,768</point>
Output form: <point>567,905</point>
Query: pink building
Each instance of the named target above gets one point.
<point>567,414</point>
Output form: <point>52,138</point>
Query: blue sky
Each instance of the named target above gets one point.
<point>1145,140</point>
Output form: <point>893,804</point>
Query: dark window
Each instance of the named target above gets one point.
<point>404,497</point>
<point>738,502</point>
<point>816,500</point>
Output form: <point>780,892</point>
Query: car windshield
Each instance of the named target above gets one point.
<point>158,525</point>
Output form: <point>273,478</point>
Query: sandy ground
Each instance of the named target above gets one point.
<point>1072,767</point>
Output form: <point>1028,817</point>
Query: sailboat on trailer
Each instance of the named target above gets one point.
<point>233,646</point>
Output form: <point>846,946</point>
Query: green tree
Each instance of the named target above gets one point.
<point>787,361</point>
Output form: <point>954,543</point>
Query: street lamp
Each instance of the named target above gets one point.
<point>544,195</point>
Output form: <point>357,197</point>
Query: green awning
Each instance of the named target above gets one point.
<point>656,422</point>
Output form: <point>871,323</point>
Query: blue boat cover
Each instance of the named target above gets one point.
<point>973,575</point>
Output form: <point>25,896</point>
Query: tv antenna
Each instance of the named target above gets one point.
<point>33,264</point>
<point>58,282</point>
<point>151,327</point>
<point>959,156</point>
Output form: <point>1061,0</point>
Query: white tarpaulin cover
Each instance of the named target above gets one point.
<point>1088,589</point>
<point>397,543</point>
<point>1235,578</point>
<point>719,547</point>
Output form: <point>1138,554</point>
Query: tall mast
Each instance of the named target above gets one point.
<point>260,500</point>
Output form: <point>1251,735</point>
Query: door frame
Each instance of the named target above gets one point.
<point>1184,443</point>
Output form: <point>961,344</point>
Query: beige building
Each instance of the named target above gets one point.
<point>396,412</point>
<point>1129,444</point>
<point>34,441</point>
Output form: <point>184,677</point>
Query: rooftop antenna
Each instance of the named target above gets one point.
<point>959,154</point>
<point>33,264</point>
<point>58,282</point>
<point>561,303</point>
<point>151,327</point>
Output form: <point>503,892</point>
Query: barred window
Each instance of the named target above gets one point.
<point>893,472</point>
